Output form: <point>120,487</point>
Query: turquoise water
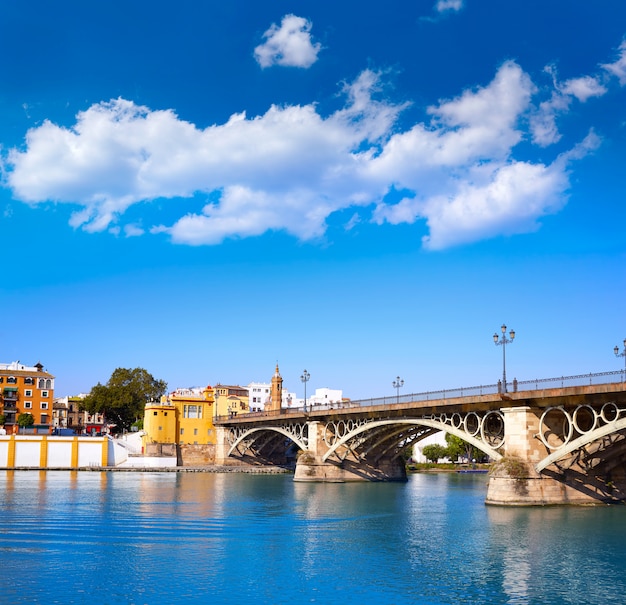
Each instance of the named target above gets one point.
<point>138,538</point>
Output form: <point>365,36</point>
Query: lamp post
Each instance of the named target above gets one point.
<point>397,383</point>
<point>305,378</point>
<point>504,341</point>
<point>622,354</point>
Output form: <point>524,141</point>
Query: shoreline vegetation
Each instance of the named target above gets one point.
<point>447,467</point>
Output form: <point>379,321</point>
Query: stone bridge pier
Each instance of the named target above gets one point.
<point>560,455</point>
<point>321,462</point>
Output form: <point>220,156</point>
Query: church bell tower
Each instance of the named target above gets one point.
<point>276,396</point>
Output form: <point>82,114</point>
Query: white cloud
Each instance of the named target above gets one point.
<point>543,123</point>
<point>583,88</point>
<point>133,231</point>
<point>289,45</point>
<point>292,168</point>
<point>477,127</point>
<point>287,169</point>
<point>443,6</point>
<point>618,67</point>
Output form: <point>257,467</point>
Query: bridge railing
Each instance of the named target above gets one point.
<point>489,389</point>
<point>572,381</point>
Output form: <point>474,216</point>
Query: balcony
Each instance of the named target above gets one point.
<point>9,393</point>
<point>9,405</point>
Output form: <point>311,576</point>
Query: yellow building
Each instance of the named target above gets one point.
<point>26,390</point>
<point>185,416</point>
<point>231,400</point>
<point>159,422</point>
<point>194,412</point>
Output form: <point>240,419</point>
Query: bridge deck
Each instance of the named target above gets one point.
<point>590,394</point>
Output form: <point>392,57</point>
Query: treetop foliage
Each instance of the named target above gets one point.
<point>123,398</point>
<point>25,420</point>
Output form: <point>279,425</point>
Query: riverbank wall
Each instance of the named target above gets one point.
<point>45,452</point>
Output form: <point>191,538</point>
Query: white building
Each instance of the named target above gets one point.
<point>259,394</point>
<point>436,439</point>
<point>325,397</point>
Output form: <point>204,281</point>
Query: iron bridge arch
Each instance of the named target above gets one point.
<point>387,438</point>
<point>267,443</point>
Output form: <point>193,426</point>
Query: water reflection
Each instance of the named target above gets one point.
<point>189,538</point>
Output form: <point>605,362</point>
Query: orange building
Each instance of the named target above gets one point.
<point>26,390</point>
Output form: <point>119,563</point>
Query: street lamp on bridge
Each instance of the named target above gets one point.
<point>504,341</point>
<point>622,354</point>
<point>397,383</point>
<point>305,378</point>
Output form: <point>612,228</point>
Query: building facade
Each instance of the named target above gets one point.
<point>326,398</point>
<point>231,400</point>
<point>259,395</point>
<point>185,416</point>
<point>67,413</point>
<point>159,422</point>
<point>26,390</point>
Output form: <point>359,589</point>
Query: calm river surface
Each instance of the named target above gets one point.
<point>136,538</point>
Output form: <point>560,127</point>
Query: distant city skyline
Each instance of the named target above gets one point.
<point>204,191</point>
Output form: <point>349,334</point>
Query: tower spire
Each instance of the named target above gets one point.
<point>276,396</point>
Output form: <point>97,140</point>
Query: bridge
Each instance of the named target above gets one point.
<point>551,441</point>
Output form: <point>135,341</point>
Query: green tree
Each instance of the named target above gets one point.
<point>434,452</point>
<point>457,448</point>
<point>3,419</point>
<point>123,398</point>
<point>25,420</point>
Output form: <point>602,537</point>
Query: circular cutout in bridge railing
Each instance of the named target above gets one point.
<point>584,419</point>
<point>609,412</point>
<point>555,427</point>
<point>472,423</point>
<point>330,435</point>
<point>456,421</point>
<point>492,429</point>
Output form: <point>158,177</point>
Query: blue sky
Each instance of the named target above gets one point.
<point>204,189</point>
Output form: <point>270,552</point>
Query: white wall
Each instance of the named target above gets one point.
<point>438,438</point>
<point>60,454</point>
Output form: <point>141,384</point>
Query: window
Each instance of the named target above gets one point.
<point>182,431</point>
<point>28,393</point>
<point>41,383</point>
<point>44,419</point>
<point>48,384</point>
<point>154,413</point>
<point>192,411</point>
<point>160,428</point>
<point>28,405</point>
<point>44,393</point>
<point>28,380</point>
<point>44,405</point>
<point>11,380</point>
<point>195,431</point>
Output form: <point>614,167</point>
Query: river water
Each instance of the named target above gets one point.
<point>148,538</point>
